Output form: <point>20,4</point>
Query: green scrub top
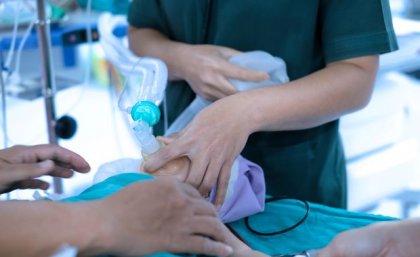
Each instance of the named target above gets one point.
<point>310,163</point>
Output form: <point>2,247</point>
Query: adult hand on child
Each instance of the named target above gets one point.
<point>178,168</point>
<point>20,165</point>
<point>212,141</point>
<point>165,216</point>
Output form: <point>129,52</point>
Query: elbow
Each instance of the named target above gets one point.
<point>364,76</point>
<point>366,96</point>
<point>363,96</point>
<point>367,85</point>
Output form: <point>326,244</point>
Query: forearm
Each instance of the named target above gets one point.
<point>149,42</point>
<point>40,228</point>
<point>311,101</point>
<point>390,238</point>
<point>405,232</point>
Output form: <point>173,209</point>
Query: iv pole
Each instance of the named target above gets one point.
<point>48,80</point>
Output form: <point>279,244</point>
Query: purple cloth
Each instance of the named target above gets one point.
<point>247,191</point>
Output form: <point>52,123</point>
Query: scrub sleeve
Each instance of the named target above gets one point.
<point>310,163</point>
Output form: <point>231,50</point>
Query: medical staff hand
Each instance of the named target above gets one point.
<point>160,215</point>
<point>20,165</point>
<point>211,141</point>
<point>177,168</point>
<point>207,69</point>
<point>389,239</point>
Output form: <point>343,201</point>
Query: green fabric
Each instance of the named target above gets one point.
<point>322,224</point>
<point>308,35</point>
<point>108,187</point>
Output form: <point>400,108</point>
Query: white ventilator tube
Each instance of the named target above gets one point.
<point>145,83</point>
<point>143,91</point>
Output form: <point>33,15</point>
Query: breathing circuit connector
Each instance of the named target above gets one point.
<point>144,89</point>
<point>149,143</point>
<point>145,114</point>
<point>146,111</point>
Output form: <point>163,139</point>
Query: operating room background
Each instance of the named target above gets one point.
<point>382,142</point>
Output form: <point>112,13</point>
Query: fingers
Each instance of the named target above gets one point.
<point>198,169</point>
<point>213,85</point>
<point>222,184</point>
<point>210,177</point>
<point>164,155</point>
<point>216,89</point>
<point>62,156</point>
<point>190,190</point>
<point>167,140</point>
<point>216,85</point>
<point>208,226</point>
<point>204,208</point>
<point>224,86</point>
<point>236,72</point>
<point>19,172</point>
<point>203,245</point>
<point>61,172</point>
<point>227,52</point>
<point>32,184</point>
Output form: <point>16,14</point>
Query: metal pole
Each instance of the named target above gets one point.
<point>3,104</point>
<point>48,81</point>
<point>3,110</point>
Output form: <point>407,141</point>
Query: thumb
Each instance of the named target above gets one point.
<point>166,140</point>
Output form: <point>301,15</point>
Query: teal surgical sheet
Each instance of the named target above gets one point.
<point>321,225</point>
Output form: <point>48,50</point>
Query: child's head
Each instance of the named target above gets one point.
<point>177,169</point>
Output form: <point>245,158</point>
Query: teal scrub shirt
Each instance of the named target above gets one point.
<point>310,163</point>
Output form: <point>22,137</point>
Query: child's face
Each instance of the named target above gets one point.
<point>178,169</point>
